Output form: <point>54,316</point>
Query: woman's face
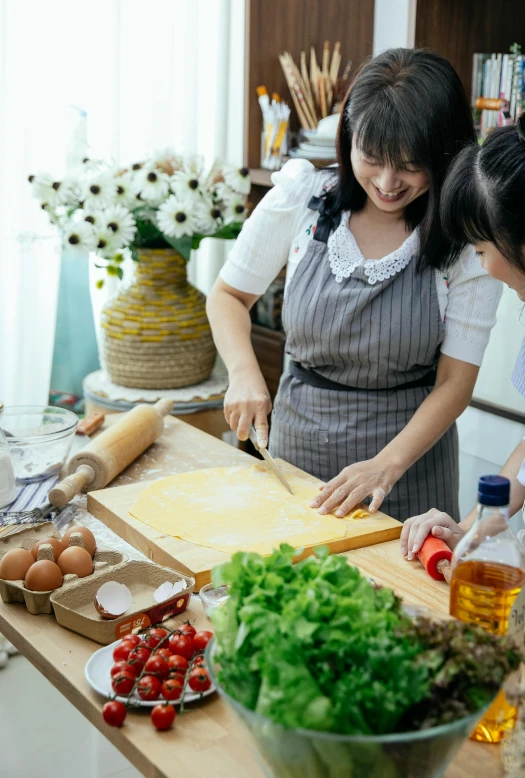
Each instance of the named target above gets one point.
<point>388,189</point>
<point>498,267</point>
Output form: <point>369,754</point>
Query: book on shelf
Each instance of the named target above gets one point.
<point>498,77</point>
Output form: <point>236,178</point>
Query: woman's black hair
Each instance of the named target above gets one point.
<point>405,106</point>
<point>483,198</point>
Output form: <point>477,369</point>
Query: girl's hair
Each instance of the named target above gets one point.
<point>405,106</point>
<point>484,195</point>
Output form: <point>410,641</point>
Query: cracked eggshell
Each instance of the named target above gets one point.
<point>167,590</point>
<point>112,599</point>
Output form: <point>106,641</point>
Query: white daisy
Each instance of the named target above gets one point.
<point>237,178</point>
<point>208,217</point>
<point>187,183</point>
<point>97,191</point>
<point>79,237</point>
<point>236,210</point>
<point>121,223</point>
<point>174,219</point>
<point>43,190</point>
<point>151,184</point>
<point>104,240</point>
<point>124,191</point>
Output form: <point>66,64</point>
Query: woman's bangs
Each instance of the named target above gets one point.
<point>384,135</point>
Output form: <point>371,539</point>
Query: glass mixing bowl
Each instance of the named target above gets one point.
<point>300,753</point>
<point>39,438</point>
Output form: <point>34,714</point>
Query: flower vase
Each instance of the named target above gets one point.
<point>155,333</point>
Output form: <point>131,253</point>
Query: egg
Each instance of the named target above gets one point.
<point>55,543</point>
<point>15,564</point>
<point>43,576</point>
<point>75,560</point>
<point>90,543</point>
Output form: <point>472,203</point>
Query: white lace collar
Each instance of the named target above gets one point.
<point>345,255</point>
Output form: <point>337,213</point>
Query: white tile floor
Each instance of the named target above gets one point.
<point>57,741</point>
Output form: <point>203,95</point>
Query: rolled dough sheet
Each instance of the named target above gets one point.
<point>237,508</point>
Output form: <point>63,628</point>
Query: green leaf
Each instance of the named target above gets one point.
<point>182,245</point>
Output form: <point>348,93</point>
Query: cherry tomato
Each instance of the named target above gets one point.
<point>199,661</point>
<point>149,687</point>
<point>138,658</point>
<point>166,653</point>
<point>118,668</point>
<point>114,713</point>
<point>172,688</point>
<point>124,682</point>
<point>150,641</point>
<point>158,632</point>
<point>135,639</point>
<point>158,666</point>
<point>199,680</point>
<point>187,629</point>
<point>178,663</point>
<point>201,640</point>
<point>163,716</point>
<point>123,650</point>
<point>182,645</point>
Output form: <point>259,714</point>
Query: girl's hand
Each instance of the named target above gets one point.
<point>435,523</point>
<point>353,484</point>
<point>247,402</point>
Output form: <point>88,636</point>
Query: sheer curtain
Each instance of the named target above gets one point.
<point>148,76</point>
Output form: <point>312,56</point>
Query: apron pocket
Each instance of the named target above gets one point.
<point>306,447</point>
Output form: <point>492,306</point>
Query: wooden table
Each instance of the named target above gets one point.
<point>208,740</point>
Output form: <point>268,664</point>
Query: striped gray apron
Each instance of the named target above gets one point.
<point>363,360</point>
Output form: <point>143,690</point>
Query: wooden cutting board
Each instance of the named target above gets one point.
<point>111,506</point>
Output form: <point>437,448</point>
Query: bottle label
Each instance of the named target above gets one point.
<point>516,628</point>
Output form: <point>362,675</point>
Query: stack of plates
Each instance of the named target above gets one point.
<point>315,145</point>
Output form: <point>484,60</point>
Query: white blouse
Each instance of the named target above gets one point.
<point>281,226</point>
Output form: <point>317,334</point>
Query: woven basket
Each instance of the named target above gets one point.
<point>155,333</point>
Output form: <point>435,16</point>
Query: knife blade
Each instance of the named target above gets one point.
<point>270,461</point>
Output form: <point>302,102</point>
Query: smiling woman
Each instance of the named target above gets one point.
<point>385,328</point>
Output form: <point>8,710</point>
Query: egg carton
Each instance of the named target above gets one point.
<point>104,561</point>
<point>75,609</point>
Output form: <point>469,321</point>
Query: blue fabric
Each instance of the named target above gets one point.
<point>75,353</point>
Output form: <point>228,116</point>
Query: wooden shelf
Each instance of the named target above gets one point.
<point>261,177</point>
<point>269,349</point>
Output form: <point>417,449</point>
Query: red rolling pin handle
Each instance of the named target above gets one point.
<point>431,553</point>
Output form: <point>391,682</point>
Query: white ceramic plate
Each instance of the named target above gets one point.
<point>97,672</point>
<point>313,136</point>
<point>300,154</point>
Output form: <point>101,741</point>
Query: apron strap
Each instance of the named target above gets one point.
<point>326,222</point>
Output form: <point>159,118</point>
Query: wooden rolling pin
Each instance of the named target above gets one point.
<point>113,450</point>
<point>435,556</point>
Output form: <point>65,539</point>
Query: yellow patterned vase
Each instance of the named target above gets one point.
<point>155,332</point>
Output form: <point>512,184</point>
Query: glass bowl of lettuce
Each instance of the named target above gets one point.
<point>333,678</point>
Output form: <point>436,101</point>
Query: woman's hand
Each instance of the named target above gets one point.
<point>247,402</point>
<point>435,523</point>
<point>353,484</point>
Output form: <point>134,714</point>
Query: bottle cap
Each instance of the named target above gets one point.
<point>494,490</point>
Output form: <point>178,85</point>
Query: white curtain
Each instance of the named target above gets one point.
<point>167,73</point>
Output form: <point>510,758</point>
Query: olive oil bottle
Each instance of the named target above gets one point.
<point>488,576</point>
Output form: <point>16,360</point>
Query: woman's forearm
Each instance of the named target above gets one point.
<point>447,401</point>
<point>229,315</point>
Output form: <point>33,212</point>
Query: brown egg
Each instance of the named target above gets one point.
<point>75,560</point>
<point>43,576</point>
<point>55,543</point>
<point>90,543</point>
<point>15,564</point>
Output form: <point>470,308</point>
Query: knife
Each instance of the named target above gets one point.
<point>269,460</point>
